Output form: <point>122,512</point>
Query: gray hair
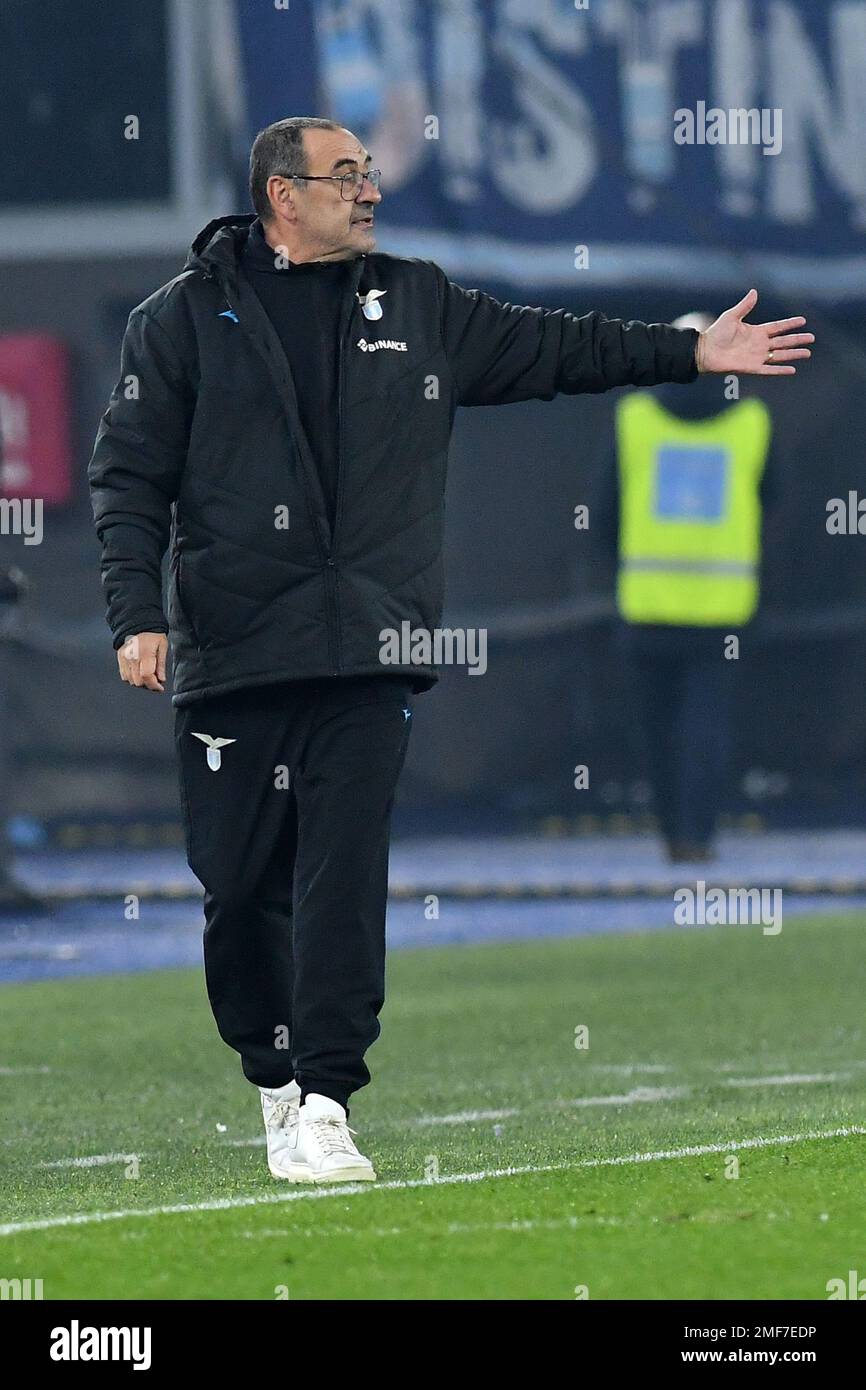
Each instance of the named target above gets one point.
<point>279,149</point>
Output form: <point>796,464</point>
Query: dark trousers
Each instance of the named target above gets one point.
<point>684,689</point>
<point>289,838</point>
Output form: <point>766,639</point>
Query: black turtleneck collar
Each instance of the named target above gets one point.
<point>259,255</point>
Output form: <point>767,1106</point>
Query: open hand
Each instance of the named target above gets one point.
<point>756,349</point>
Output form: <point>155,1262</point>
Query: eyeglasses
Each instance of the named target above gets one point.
<point>350,184</point>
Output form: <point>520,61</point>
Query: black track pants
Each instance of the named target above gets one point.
<point>289,836</point>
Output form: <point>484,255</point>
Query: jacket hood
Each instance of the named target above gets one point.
<point>220,242</point>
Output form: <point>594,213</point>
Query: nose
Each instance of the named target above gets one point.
<point>368,193</point>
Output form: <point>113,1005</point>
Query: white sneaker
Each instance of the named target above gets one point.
<point>319,1147</point>
<point>280,1108</point>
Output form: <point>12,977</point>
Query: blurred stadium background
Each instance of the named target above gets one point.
<point>126,127</point>
<point>554,132</point>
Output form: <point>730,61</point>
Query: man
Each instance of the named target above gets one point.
<point>684,505</point>
<point>303,450</point>
<point>15,897</point>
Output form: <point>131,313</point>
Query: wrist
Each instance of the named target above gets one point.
<point>701,352</point>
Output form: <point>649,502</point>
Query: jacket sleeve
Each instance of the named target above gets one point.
<point>506,352</point>
<point>134,474</point>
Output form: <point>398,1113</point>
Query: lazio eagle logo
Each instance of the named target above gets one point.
<point>214,756</point>
<point>370,306</point>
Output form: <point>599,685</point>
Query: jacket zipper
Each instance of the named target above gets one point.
<point>355,278</point>
<point>327,554</point>
<point>332,557</point>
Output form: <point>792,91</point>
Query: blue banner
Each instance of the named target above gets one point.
<point>711,143</point>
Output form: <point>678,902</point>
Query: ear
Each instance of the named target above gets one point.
<point>281,197</point>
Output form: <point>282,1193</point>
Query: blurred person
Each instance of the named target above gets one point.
<point>684,506</point>
<point>293,397</point>
<point>15,897</point>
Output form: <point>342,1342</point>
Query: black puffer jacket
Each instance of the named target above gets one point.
<point>201,446</point>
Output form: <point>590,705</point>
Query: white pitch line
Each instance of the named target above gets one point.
<point>793,1079</point>
<point>89,1161</point>
<point>464,1117</point>
<point>24,1071</point>
<point>403,1184</point>
<point>629,1068</point>
<point>640,1095</point>
<point>454,1228</point>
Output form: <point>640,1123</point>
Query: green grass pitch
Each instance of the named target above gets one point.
<point>716,1039</point>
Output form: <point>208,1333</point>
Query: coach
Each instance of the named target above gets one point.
<point>282,421</point>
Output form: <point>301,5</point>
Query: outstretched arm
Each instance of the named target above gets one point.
<point>501,353</point>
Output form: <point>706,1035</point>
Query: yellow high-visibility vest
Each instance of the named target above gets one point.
<point>690,512</point>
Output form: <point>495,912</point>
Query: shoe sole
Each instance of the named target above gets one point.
<point>300,1172</point>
